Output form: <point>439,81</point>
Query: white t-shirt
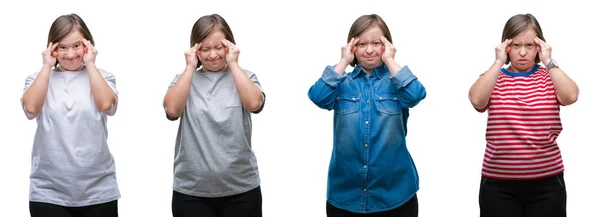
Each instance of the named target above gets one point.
<point>71,164</point>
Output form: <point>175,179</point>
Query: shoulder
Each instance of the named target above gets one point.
<point>33,75</point>
<point>249,73</point>
<point>105,73</point>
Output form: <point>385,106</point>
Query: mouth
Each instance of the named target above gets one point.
<point>523,61</point>
<point>371,58</point>
<point>214,61</point>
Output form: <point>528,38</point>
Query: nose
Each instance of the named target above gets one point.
<point>213,54</point>
<point>70,53</point>
<point>523,51</point>
<point>370,48</point>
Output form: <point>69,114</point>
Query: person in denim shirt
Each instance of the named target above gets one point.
<point>371,171</point>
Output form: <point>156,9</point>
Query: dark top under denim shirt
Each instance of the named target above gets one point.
<point>370,168</point>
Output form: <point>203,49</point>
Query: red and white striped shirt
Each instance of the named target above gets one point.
<point>523,124</point>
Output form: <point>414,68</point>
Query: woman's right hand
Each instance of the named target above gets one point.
<point>49,55</point>
<point>191,56</point>
<point>348,51</point>
<point>502,51</point>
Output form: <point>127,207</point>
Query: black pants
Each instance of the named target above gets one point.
<point>248,204</point>
<point>409,209</point>
<point>37,209</point>
<point>545,197</point>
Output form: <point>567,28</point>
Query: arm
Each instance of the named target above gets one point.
<point>482,89</point>
<point>324,91</point>
<point>567,90</point>
<point>104,96</point>
<point>410,89</point>
<point>177,96</point>
<point>35,93</point>
<point>251,96</point>
<point>408,86</point>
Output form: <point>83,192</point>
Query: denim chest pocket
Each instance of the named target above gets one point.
<point>388,103</point>
<point>347,103</point>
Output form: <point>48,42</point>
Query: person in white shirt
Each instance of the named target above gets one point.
<point>73,171</point>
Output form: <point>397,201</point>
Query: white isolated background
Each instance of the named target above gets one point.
<point>447,44</point>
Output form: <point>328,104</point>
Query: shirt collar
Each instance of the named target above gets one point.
<point>380,71</point>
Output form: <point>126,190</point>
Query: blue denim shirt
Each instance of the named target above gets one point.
<point>370,168</point>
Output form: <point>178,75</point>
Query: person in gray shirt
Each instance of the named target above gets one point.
<point>72,170</point>
<point>215,169</point>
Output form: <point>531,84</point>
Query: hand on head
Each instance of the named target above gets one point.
<point>502,50</point>
<point>49,55</point>
<point>232,52</point>
<point>349,49</point>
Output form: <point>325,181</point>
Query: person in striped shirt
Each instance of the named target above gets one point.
<point>522,173</point>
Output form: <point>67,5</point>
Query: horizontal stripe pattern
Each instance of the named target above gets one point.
<point>522,128</point>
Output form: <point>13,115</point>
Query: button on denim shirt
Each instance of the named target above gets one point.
<point>370,168</point>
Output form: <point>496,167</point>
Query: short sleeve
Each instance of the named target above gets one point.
<point>173,82</point>
<point>254,79</point>
<point>112,83</point>
<point>28,82</point>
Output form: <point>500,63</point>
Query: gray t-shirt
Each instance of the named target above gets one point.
<point>71,164</point>
<point>213,155</point>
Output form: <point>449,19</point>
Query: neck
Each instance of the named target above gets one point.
<point>222,69</point>
<point>62,69</point>
<point>511,68</point>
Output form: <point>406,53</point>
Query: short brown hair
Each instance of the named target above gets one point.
<point>365,22</point>
<point>205,26</point>
<point>520,23</point>
<point>66,24</point>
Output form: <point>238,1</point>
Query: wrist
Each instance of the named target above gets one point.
<point>343,63</point>
<point>191,67</point>
<point>232,64</point>
<point>389,60</point>
<point>46,67</point>
<point>90,64</point>
<point>546,61</point>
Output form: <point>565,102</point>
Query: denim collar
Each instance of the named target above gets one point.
<point>380,71</point>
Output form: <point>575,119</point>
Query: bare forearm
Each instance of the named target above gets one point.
<point>35,96</point>
<point>567,90</point>
<point>177,96</point>
<point>480,92</point>
<point>104,96</point>
<point>250,94</point>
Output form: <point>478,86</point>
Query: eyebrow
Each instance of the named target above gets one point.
<point>74,43</point>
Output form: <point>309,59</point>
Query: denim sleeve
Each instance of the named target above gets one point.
<point>324,91</point>
<point>408,86</point>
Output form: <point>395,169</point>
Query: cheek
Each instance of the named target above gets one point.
<point>203,55</point>
<point>222,53</point>
<point>513,53</point>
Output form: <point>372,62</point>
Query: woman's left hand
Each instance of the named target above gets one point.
<point>89,52</point>
<point>544,50</point>
<point>389,51</point>
<point>232,52</point>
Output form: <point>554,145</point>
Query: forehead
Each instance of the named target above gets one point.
<point>527,35</point>
<point>72,37</point>
<point>373,32</point>
<point>213,38</point>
